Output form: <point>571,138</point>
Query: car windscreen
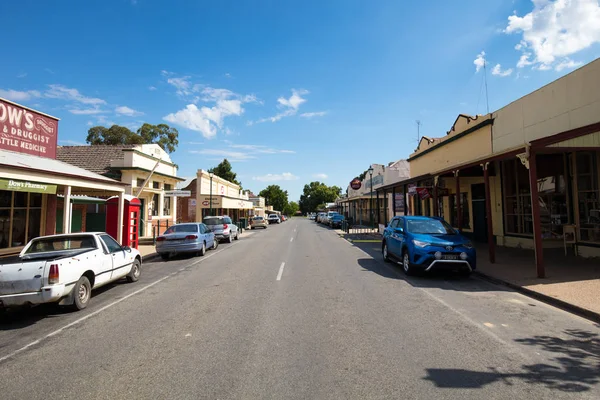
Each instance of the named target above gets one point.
<point>227,220</point>
<point>257,218</point>
<point>182,229</point>
<point>61,243</point>
<point>429,227</point>
<point>213,221</point>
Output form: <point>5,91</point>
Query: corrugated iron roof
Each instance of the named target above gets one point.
<point>19,160</point>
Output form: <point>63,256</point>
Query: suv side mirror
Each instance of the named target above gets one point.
<point>127,249</point>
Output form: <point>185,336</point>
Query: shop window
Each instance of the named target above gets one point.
<point>139,182</point>
<point>588,196</point>
<point>155,185</point>
<point>155,205</point>
<point>464,210</point>
<point>167,206</point>
<point>552,192</point>
<point>517,198</point>
<point>168,186</point>
<point>20,218</point>
<point>427,207</point>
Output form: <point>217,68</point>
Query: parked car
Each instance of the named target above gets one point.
<point>64,269</point>
<point>320,217</point>
<point>325,219</point>
<point>425,244</point>
<point>283,218</point>
<point>223,228</point>
<point>312,216</point>
<point>258,222</point>
<point>335,221</point>
<point>273,219</point>
<point>186,238</point>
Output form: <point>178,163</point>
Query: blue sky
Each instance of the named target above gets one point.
<point>290,92</point>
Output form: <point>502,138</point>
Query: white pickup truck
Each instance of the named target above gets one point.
<point>64,269</point>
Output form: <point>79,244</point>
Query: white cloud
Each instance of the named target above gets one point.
<point>286,176</point>
<point>87,111</point>
<point>228,75</point>
<point>89,123</point>
<point>229,155</point>
<point>498,71</point>
<point>151,88</point>
<point>102,120</point>
<point>124,110</point>
<point>259,148</point>
<point>313,114</point>
<point>48,70</point>
<point>289,106</point>
<point>70,143</point>
<point>479,61</point>
<point>65,93</point>
<point>555,30</point>
<point>567,63</point>
<point>320,176</point>
<point>22,75</point>
<point>206,120</point>
<point>16,95</point>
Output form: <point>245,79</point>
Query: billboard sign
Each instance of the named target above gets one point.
<point>26,131</point>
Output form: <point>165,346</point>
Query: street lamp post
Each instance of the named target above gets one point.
<point>371,203</point>
<point>211,175</point>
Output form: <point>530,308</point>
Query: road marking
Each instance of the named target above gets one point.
<point>114,303</point>
<point>291,239</point>
<point>280,271</point>
<point>488,324</point>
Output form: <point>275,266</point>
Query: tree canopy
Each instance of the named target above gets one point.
<point>291,209</point>
<point>275,196</point>
<point>161,134</point>
<point>316,193</point>
<point>224,171</point>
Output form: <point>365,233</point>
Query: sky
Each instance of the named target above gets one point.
<point>289,92</point>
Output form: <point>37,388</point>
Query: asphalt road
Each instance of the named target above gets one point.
<point>296,312</point>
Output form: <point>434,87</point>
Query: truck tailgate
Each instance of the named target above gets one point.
<point>21,277</point>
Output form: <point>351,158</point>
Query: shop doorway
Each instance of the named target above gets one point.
<point>142,217</point>
<point>479,215</point>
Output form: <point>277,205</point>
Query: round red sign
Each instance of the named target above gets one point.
<point>205,203</point>
<point>355,184</point>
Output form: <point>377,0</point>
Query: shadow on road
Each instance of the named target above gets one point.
<point>575,369</point>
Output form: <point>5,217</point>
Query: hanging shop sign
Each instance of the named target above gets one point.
<point>412,188</point>
<point>355,184</point>
<point>26,131</point>
<point>178,193</point>
<point>26,186</point>
<point>399,201</point>
<point>423,193</point>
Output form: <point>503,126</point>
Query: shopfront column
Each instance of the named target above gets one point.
<point>488,213</point>
<point>435,197</point>
<point>174,208</point>
<point>535,211</point>
<point>67,210</point>
<point>120,218</point>
<point>457,201</point>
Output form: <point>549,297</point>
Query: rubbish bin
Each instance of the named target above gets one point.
<point>244,223</point>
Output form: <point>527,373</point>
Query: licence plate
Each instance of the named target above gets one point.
<point>450,257</point>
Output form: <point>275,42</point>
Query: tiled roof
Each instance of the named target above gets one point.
<point>95,158</point>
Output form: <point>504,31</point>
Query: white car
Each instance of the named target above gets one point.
<point>64,269</point>
<point>273,219</point>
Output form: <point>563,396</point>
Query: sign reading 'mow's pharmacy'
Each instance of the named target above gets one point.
<point>26,186</point>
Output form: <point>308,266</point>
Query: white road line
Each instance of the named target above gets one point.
<point>114,303</point>
<point>291,239</point>
<point>280,271</point>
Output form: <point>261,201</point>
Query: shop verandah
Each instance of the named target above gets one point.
<point>497,204</point>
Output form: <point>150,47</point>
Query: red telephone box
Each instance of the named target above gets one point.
<point>131,219</point>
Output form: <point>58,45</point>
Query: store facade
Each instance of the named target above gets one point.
<point>31,178</point>
<point>550,138</point>
<point>225,198</point>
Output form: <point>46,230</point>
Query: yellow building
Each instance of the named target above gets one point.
<point>551,137</point>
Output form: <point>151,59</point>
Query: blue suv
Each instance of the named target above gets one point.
<point>425,243</point>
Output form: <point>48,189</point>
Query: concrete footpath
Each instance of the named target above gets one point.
<point>572,284</point>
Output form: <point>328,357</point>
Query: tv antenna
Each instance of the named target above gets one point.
<point>418,131</point>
